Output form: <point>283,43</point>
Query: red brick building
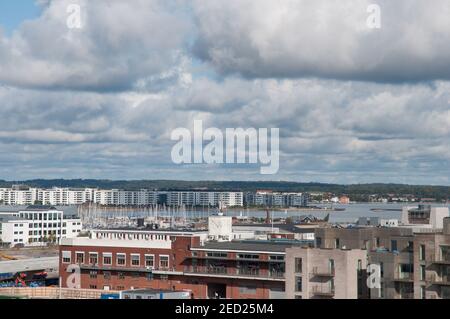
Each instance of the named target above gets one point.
<point>125,259</point>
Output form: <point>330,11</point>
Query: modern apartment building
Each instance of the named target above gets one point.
<point>315,273</point>
<point>22,195</point>
<point>411,257</point>
<point>276,199</point>
<point>13,231</point>
<point>38,225</point>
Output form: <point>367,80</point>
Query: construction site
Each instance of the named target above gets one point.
<point>28,267</point>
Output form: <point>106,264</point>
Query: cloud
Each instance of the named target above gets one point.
<point>330,130</point>
<point>101,102</point>
<point>325,39</point>
<point>120,45</point>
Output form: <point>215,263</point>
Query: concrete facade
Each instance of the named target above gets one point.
<point>314,273</point>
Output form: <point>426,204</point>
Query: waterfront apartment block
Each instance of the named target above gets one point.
<point>22,195</point>
<point>276,199</point>
<point>315,273</point>
<point>38,225</point>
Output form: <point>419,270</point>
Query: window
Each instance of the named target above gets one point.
<point>394,245</point>
<point>276,258</point>
<point>93,274</point>
<point>149,261</point>
<point>164,262</point>
<point>93,258</point>
<point>422,272</point>
<point>337,243</point>
<point>107,258</point>
<point>298,265</point>
<point>298,284</point>
<point>216,255</point>
<point>247,290</point>
<point>422,293</point>
<point>163,277</point>
<point>107,275</point>
<point>422,252</point>
<point>410,247</point>
<point>66,257</point>
<point>248,256</point>
<point>121,259</point>
<point>92,286</point>
<point>318,242</point>
<point>121,275</point>
<point>79,258</point>
<point>135,260</point>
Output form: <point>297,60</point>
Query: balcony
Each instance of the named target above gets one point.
<point>443,260</point>
<point>439,280</point>
<point>222,272</point>
<point>407,277</point>
<point>322,291</point>
<point>316,271</point>
<point>159,270</point>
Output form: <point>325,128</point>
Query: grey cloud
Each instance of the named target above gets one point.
<point>326,39</point>
<point>119,44</point>
<point>330,131</point>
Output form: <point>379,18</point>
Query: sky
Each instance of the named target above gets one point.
<point>13,13</point>
<point>353,104</point>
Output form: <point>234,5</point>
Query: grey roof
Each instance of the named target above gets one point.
<point>32,264</point>
<point>40,207</point>
<point>292,228</point>
<point>7,218</point>
<point>67,210</point>
<point>145,229</point>
<point>250,246</point>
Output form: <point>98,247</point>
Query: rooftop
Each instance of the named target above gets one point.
<point>40,208</point>
<point>292,228</point>
<point>252,246</point>
<point>8,218</point>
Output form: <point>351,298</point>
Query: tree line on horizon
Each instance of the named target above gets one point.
<point>355,191</point>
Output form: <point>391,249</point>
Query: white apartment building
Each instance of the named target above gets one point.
<point>275,199</point>
<point>204,198</point>
<point>125,197</point>
<point>38,225</point>
<point>21,195</point>
<point>13,231</point>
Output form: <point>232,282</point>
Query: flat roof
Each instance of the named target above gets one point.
<point>149,230</point>
<point>67,210</point>
<point>33,264</point>
<point>8,218</point>
<point>250,246</point>
<point>308,228</point>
